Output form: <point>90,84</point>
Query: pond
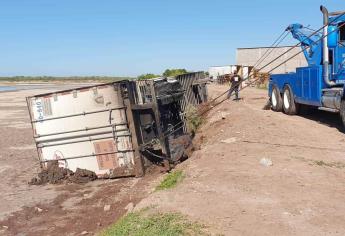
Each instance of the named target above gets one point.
<point>46,86</point>
<point>7,88</point>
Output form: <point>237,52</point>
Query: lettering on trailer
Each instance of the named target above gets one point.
<point>39,109</point>
<point>43,108</point>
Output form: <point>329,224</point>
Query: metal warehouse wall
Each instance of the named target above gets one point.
<point>249,56</point>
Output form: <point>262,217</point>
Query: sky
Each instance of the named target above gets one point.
<point>133,37</point>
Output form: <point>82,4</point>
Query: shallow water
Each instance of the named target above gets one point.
<point>7,88</point>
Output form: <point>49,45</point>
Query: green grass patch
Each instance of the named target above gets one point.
<point>171,180</point>
<point>140,224</point>
<point>193,118</point>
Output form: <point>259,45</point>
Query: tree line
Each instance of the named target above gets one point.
<point>166,73</point>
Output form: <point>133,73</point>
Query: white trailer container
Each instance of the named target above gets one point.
<point>84,128</point>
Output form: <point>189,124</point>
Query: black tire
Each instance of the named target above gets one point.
<point>276,100</point>
<point>342,112</point>
<point>290,107</point>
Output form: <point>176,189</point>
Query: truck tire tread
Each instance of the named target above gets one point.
<point>290,107</point>
<point>277,104</point>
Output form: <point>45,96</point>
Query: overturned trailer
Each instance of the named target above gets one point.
<point>113,129</point>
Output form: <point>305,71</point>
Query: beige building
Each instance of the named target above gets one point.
<point>250,56</point>
<point>216,71</point>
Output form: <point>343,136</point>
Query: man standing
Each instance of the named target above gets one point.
<point>235,81</point>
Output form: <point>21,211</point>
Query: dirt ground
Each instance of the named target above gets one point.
<point>52,209</point>
<point>226,188</point>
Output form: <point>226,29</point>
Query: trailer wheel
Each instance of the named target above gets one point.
<point>289,105</point>
<point>276,100</point>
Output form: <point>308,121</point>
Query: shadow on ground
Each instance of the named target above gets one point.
<point>323,117</point>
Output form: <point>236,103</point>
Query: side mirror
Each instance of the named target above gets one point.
<point>332,38</point>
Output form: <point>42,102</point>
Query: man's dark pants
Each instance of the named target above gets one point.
<point>233,89</point>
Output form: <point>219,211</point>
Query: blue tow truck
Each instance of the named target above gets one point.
<point>321,83</point>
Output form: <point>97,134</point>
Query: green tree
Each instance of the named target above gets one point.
<point>174,72</point>
<point>147,76</point>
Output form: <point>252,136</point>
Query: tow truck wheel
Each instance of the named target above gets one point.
<point>276,100</point>
<point>289,105</point>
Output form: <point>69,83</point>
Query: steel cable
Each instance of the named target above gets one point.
<point>274,68</point>
<point>252,82</point>
<point>297,45</point>
<point>181,123</point>
<point>270,50</point>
